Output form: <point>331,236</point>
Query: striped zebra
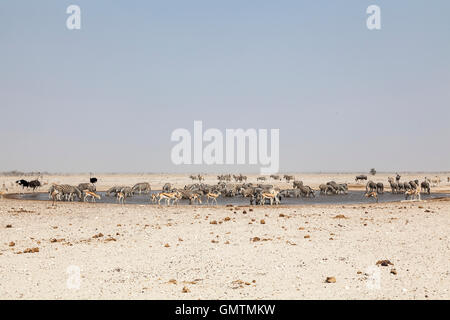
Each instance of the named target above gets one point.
<point>66,192</point>
<point>167,187</point>
<point>70,192</point>
<point>143,187</point>
<point>87,186</point>
<point>114,190</point>
<point>128,191</point>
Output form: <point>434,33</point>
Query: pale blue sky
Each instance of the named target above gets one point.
<point>107,97</point>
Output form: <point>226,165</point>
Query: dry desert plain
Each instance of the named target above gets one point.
<point>207,252</point>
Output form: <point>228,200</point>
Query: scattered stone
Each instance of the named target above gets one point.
<point>213,222</point>
<point>8,226</point>
<point>172,281</point>
<point>340,216</point>
<point>393,271</point>
<point>263,221</point>
<point>53,240</point>
<point>31,250</point>
<point>330,280</point>
<point>12,244</point>
<point>98,235</point>
<point>227,219</point>
<point>236,284</point>
<point>384,263</point>
<point>167,245</point>
<point>256,239</point>
<point>185,290</point>
<point>307,236</point>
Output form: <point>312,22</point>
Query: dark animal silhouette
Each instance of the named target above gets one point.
<point>34,184</point>
<point>425,186</point>
<point>92,179</point>
<point>380,188</point>
<point>360,178</point>
<point>371,187</point>
<point>23,183</point>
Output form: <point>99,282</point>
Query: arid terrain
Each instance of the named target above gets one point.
<point>208,252</point>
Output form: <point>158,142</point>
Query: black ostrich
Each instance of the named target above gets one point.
<point>92,179</point>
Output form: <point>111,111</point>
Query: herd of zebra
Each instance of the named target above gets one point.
<point>257,193</point>
<point>86,191</point>
<point>242,178</point>
<point>398,186</point>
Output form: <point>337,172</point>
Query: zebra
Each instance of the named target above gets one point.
<point>343,188</point>
<point>380,188</point>
<point>307,191</point>
<point>294,193</point>
<point>167,187</point>
<point>55,192</point>
<point>87,186</point>
<point>425,186</point>
<point>143,187</point>
<point>113,190</point>
<point>394,185</point>
<point>66,191</point>
<point>371,187</point>
<point>297,184</point>
<point>127,191</point>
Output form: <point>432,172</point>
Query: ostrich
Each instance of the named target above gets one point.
<point>92,179</point>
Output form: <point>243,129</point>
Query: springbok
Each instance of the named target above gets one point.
<point>213,196</point>
<point>372,194</point>
<point>177,198</point>
<point>120,197</point>
<point>271,196</point>
<point>167,196</point>
<point>92,195</point>
<point>193,197</point>
<point>414,194</point>
<point>55,195</point>
<point>154,197</point>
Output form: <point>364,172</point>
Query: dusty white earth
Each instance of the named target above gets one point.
<point>204,252</point>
